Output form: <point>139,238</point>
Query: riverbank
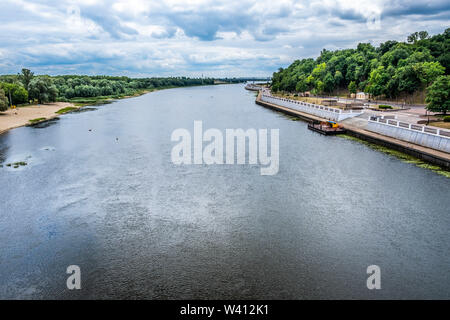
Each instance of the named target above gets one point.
<point>33,114</point>
<point>427,154</point>
<point>14,118</point>
<point>88,101</point>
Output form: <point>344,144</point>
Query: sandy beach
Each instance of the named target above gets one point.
<point>13,118</point>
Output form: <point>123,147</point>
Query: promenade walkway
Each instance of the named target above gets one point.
<point>357,127</point>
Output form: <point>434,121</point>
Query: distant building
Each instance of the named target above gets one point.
<point>362,96</point>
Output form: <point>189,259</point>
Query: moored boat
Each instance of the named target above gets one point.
<point>327,128</point>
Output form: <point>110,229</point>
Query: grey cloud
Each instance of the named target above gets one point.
<point>28,36</point>
<point>402,7</point>
<point>204,25</point>
<point>107,21</point>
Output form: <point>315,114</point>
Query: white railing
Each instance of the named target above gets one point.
<point>434,138</point>
<point>413,127</point>
<point>329,113</point>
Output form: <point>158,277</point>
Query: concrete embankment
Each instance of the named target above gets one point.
<point>330,113</point>
<point>424,153</point>
<point>252,87</point>
<point>435,138</point>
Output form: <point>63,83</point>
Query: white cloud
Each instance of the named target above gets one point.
<point>190,37</point>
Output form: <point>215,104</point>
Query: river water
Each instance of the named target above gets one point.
<point>100,191</point>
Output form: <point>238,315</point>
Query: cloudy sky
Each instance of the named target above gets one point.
<point>194,37</point>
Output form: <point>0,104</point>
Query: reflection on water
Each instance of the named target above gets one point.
<point>44,124</point>
<point>84,109</point>
<point>3,153</point>
<point>140,227</point>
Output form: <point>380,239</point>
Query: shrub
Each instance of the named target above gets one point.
<point>447,119</point>
<point>383,106</point>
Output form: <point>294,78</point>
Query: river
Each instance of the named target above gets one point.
<point>100,191</point>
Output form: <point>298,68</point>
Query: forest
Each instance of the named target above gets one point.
<point>391,70</point>
<point>26,87</point>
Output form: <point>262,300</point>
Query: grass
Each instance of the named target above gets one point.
<point>310,100</point>
<point>401,156</point>
<point>15,164</point>
<point>81,102</point>
<point>444,125</point>
<point>37,120</point>
<point>65,110</point>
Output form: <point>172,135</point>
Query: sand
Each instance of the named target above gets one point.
<point>13,118</point>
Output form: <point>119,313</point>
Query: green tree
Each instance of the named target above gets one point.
<point>408,67</point>
<point>43,89</point>
<point>392,84</point>
<point>378,81</point>
<point>428,71</point>
<point>413,37</point>
<point>25,77</point>
<point>352,88</point>
<point>301,86</point>
<point>14,92</point>
<point>423,35</point>
<point>328,83</point>
<point>320,87</point>
<point>407,79</point>
<point>3,101</point>
<point>69,93</point>
<point>438,95</point>
<point>338,78</point>
<point>387,46</point>
<point>319,70</point>
<point>417,76</point>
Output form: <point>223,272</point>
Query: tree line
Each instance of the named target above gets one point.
<point>392,69</point>
<point>26,87</point>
